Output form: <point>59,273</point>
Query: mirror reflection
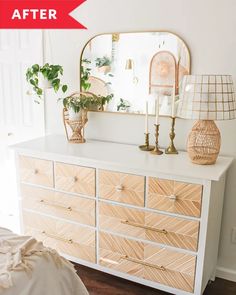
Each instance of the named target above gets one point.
<point>127,69</point>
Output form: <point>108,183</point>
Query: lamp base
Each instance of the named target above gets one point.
<point>204,143</point>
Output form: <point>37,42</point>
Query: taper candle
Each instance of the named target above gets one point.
<point>173,102</point>
<point>146,118</point>
<point>157,110</point>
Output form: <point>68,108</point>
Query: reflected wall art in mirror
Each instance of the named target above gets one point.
<point>126,69</point>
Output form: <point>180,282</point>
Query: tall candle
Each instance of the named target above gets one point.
<point>157,110</point>
<point>146,118</point>
<point>173,102</point>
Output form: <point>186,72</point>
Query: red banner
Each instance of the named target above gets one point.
<point>39,14</point>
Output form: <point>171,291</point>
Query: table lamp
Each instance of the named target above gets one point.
<point>206,98</point>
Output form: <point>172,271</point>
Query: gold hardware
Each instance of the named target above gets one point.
<point>75,179</point>
<point>156,151</point>
<point>69,241</point>
<point>146,147</point>
<point>171,150</point>
<point>55,205</point>
<point>119,188</point>
<point>129,64</point>
<point>161,231</point>
<point>125,257</point>
<point>36,171</point>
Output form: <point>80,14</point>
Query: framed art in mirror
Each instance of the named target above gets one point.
<point>126,69</point>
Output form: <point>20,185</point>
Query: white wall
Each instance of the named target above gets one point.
<point>207,26</point>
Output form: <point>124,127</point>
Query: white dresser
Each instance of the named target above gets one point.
<point>150,219</point>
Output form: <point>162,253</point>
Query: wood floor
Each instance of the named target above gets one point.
<point>99,283</point>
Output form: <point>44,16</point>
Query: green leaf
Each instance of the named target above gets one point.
<point>39,92</point>
<point>64,88</point>
<point>56,87</point>
<point>32,82</point>
<point>56,82</point>
<point>35,68</point>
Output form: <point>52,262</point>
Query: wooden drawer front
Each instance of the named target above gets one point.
<point>174,231</point>
<point>36,171</point>
<point>66,238</point>
<point>150,262</point>
<point>173,196</point>
<point>121,187</point>
<point>76,179</point>
<point>57,204</point>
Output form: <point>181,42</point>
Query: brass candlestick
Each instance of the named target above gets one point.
<point>146,147</point>
<point>156,151</point>
<point>171,148</point>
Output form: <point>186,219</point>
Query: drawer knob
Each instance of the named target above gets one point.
<point>119,188</point>
<point>36,171</point>
<point>172,197</point>
<point>76,179</point>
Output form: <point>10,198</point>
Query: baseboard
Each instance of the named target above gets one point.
<point>226,273</point>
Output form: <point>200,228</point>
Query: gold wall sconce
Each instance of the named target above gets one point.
<point>129,66</point>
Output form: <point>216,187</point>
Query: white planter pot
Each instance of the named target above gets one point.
<point>46,84</point>
<point>73,116</point>
<point>80,116</point>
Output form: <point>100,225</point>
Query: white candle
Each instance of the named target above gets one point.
<point>146,118</point>
<point>173,102</point>
<point>157,110</point>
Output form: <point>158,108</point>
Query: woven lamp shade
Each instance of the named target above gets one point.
<point>206,98</point>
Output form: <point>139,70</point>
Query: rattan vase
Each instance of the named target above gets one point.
<point>204,142</point>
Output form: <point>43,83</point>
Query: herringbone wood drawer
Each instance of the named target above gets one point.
<point>150,262</point>
<point>64,237</point>
<point>66,206</point>
<point>176,197</point>
<point>36,171</point>
<point>175,231</point>
<point>121,187</point>
<point>76,179</point>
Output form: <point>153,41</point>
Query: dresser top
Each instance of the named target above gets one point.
<point>120,156</point>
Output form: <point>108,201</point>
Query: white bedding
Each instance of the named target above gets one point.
<point>28,268</point>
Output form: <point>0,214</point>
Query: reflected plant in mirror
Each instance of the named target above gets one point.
<point>85,72</point>
<point>131,66</point>
<point>123,106</point>
<point>103,64</point>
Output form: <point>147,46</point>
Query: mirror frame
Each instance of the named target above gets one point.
<point>132,32</point>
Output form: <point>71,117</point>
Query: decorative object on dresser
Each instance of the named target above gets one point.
<point>75,111</point>
<point>157,151</point>
<point>147,147</point>
<point>151,220</point>
<point>171,150</point>
<point>206,98</point>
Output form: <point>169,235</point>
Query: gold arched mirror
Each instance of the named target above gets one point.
<point>135,67</point>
